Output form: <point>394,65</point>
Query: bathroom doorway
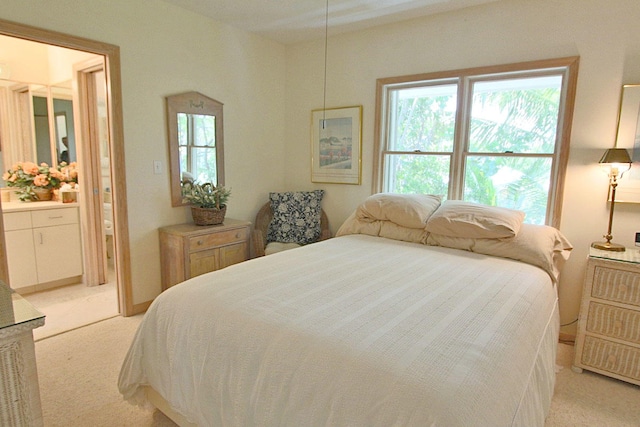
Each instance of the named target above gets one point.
<point>117,229</point>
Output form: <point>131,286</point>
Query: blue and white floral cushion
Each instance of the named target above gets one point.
<point>296,217</point>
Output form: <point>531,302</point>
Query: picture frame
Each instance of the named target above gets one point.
<point>336,145</point>
<point>628,136</point>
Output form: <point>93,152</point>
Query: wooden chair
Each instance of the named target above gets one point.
<point>261,227</point>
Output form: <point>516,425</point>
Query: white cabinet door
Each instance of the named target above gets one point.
<point>21,258</point>
<point>58,252</point>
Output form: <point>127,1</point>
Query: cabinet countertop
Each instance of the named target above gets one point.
<point>32,206</point>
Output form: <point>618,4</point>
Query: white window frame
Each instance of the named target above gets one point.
<point>567,67</point>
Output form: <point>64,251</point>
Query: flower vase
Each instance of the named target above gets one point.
<point>43,194</point>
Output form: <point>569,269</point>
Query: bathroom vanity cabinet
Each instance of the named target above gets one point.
<point>43,244</point>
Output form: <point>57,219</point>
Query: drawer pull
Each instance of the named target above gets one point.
<point>238,235</point>
<point>611,359</point>
<point>56,217</point>
<point>200,242</point>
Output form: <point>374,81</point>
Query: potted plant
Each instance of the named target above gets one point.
<point>208,202</point>
<point>34,182</point>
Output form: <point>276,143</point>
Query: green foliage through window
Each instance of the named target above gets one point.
<point>497,147</point>
<point>196,138</point>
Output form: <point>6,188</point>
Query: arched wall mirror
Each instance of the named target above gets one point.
<point>196,141</point>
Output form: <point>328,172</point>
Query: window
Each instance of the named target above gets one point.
<point>496,135</point>
<point>196,138</point>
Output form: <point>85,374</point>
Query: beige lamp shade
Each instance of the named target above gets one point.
<point>616,155</point>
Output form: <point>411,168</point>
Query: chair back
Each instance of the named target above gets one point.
<point>261,228</point>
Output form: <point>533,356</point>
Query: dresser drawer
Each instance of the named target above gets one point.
<point>611,357</point>
<point>16,221</point>
<point>614,322</point>
<point>213,240</point>
<point>616,285</point>
<point>51,217</point>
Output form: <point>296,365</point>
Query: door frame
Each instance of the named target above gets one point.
<point>111,54</point>
<point>85,109</point>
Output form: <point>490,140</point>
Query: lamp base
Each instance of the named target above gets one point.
<point>608,246</point>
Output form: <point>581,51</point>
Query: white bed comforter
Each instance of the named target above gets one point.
<point>353,331</point>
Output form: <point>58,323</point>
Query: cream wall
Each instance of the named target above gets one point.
<point>166,50</point>
<point>605,36</point>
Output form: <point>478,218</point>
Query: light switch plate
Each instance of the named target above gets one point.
<point>157,167</point>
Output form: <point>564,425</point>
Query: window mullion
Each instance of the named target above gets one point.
<point>460,141</point>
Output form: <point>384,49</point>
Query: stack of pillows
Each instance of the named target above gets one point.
<point>489,230</point>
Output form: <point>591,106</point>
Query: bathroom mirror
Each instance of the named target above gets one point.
<point>39,124</point>
<point>196,149</point>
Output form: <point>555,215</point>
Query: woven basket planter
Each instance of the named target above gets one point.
<point>208,216</point>
<point>43,194</point>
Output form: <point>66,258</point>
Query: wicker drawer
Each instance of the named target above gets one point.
<point>616,285</point>
<point>611,357</point>
<point>614,322</point>
<point>209,241</point>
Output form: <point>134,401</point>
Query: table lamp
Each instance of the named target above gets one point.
<point>617,161</point>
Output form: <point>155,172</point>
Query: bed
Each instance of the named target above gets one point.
<point>390,323</point>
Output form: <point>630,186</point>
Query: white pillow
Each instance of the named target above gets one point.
<point>539,245</point>
<point>406,210</point>
<point>388,229</point>
<point>354,226</point>
<point>457,218</point>
<point>391,230</point>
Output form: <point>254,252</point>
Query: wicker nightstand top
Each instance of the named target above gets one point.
<point>630,255</point>
<point>15,310</point>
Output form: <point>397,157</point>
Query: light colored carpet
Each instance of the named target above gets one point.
<point>590,399</point>
<point>73,306</point>
<point>78,373</point>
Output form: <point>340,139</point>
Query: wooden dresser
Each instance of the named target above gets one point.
<point>608,339</point>
<point>188,250</point>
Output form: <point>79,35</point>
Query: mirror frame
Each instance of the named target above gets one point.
<point>192,103</point>
<point>627,135</point>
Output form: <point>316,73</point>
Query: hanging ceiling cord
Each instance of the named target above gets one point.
<point>324,91</point>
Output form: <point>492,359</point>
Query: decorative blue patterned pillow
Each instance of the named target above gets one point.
<point>296,217</point>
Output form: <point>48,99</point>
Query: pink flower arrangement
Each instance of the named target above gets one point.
<point>28,175</point>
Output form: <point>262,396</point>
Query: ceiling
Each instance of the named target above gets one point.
<point>293,21</point>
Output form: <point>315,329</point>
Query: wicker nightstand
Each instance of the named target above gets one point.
<point>608,340</point>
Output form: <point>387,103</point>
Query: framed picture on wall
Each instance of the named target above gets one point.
<point>336,145</point>
<point>628,136</point>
